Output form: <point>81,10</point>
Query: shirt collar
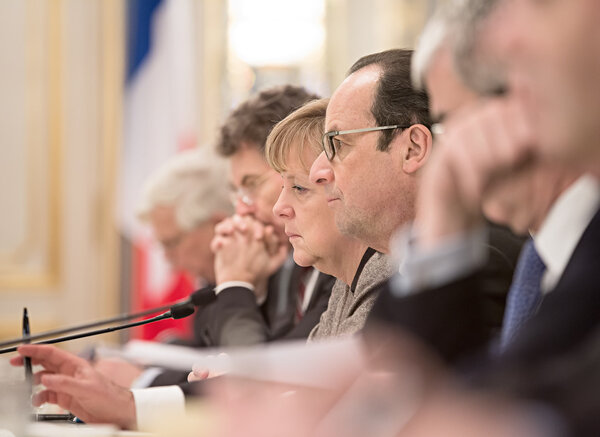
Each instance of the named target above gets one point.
<point>565,223</point>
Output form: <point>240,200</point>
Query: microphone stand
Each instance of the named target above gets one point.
<point>199,297</point>
<point>176,312</point>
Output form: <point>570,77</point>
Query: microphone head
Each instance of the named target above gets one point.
<point>181,310</point>
<point>202,297</point>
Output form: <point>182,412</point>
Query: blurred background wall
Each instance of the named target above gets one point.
<point>93,101</point>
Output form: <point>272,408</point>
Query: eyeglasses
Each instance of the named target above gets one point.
<point>248,189</point>
<point>329,145</point>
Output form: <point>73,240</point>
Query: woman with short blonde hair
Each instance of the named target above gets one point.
<point>292,146</point>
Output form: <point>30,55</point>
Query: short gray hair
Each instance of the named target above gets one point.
<point>455,24</point>
<point>436,33</point>
<point>482,77</point>
<point>194,183</point>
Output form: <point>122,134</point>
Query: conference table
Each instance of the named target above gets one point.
<point>49,429</point>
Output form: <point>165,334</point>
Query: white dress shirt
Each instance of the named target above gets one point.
<point>563,227</point>
<point>154,403</point>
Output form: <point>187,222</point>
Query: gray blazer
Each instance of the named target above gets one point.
<point>349,305</point>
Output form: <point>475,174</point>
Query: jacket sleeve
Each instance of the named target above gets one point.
<point>459,318</point>
<point>169,377</point>
<point>235,319</point>
<point>449,320</point>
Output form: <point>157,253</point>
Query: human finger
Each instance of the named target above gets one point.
<point>460,157</point>
<point>522,125</point>
<point>225,227</point>
<point>509,159</point>
<point>240,223</point>
<point>510,147</point>
<point>198,375</point>
<point>16,361</point>
<point>491,153</point>
<point>218,242</point>
<point>44,396</point>
<point>499,132</point>
<point>37,376</point>
<point>52,358</point>
<point>272,241</point>
<point>65,384</point>
<point>67,389</point>
<point>488,154</point>
<point>260,231</point>
<point>279,257</point>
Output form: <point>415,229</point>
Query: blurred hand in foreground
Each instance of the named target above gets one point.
<point>119,371</point>
<point>73,384</point>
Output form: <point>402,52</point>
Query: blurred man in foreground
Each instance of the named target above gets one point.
<point>540,200</point>
<point>545,115</point>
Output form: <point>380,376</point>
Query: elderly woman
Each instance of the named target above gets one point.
<point>291,148</point>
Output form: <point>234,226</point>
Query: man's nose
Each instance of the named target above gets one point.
<point>321,171</point>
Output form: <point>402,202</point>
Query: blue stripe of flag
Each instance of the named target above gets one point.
<point>139,22</point>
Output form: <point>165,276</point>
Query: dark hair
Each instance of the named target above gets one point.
<point>252,121</point>
<point>396,101</point>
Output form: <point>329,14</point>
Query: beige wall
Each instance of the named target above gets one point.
<point>356,28</point>
<point>58,143</point>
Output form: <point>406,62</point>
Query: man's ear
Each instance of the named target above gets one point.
<point>417,149</point>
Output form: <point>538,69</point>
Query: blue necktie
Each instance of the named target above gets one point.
<point>524,295</point>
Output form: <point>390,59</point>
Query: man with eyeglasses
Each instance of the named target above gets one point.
<point>377,140</point>
<point>377,143</point>
<point>262,295</point>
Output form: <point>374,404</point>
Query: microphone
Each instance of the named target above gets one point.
<point>177,311</point>
<point>200,297</point>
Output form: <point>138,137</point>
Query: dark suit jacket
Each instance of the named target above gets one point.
<point>459,318</point>
<point>555,357</point>
<point>572,310</point>
<point>567,382</point>
<point>235,319</point>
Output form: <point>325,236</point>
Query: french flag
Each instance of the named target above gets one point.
<point>160,116</point>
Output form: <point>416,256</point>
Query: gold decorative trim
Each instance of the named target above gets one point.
<point>55,62</point>
<point>113,77</point>
<point>211,46</point>
<point>51,276</point>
